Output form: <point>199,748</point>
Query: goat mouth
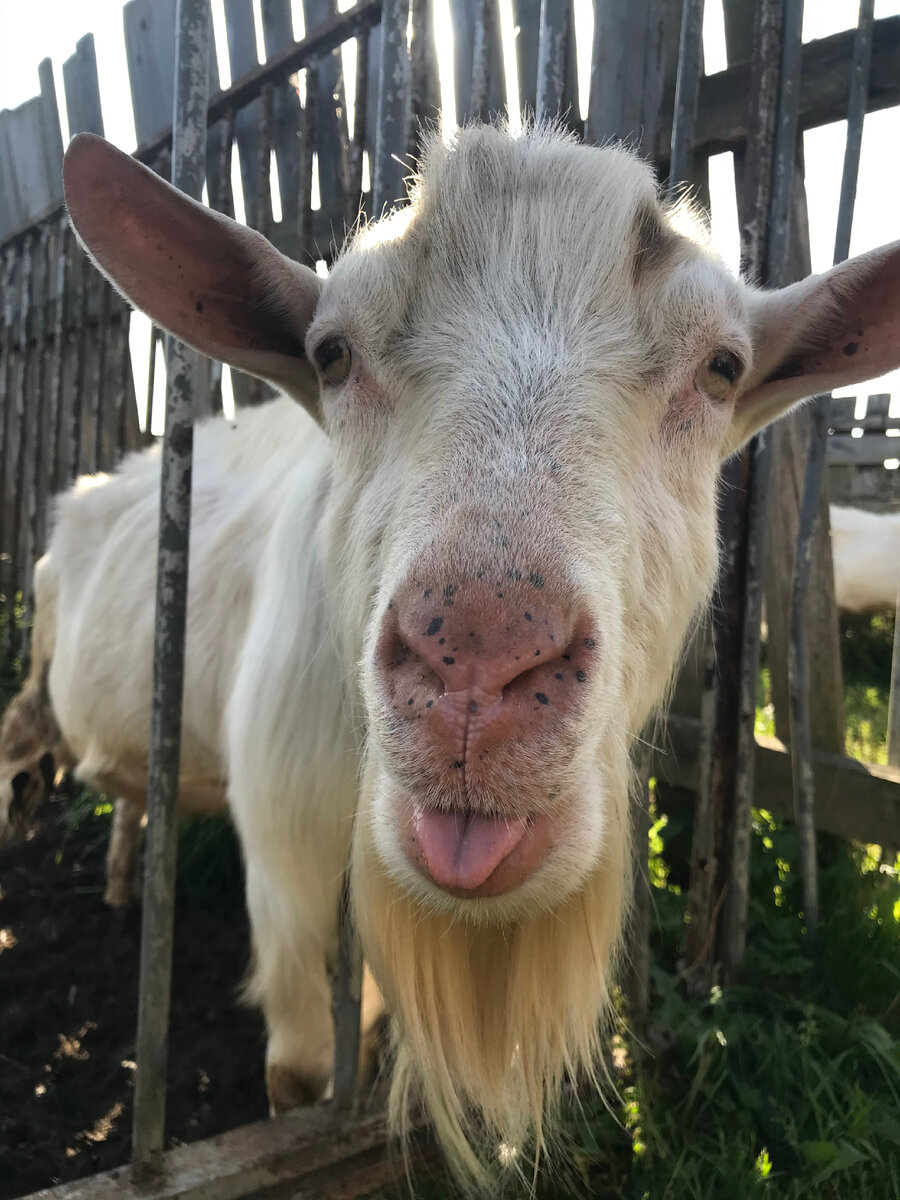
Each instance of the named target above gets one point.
<point>471,855</point>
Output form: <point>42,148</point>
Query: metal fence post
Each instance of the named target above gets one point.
<point>188,164</point>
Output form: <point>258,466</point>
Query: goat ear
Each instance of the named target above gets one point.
<point>825,332</point>
<point>216,285</point>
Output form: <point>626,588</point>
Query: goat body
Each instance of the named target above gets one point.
<point>427,630</point>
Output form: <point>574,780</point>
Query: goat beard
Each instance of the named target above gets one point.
<point>490,1021</point>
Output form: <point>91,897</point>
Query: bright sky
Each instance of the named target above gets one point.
<point>38,29</point>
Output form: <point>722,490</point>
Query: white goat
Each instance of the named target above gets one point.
<point>436,627</point>
<point>865,550</point>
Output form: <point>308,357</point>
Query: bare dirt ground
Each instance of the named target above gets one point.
<point>68,1004</point>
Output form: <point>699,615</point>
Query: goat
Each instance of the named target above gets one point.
<point>865,550</point>
<point>467,583</point>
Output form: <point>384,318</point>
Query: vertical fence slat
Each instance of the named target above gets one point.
<point>687,91</point>
<point>527,18</point>
<point>278,35</point>
<point>424,88</point>
<point>714,821</point>
<point>462,14</point>
<point>82,87</point>
<point>332,138</point>
<point>242,57</point>
<point>10,263</point>
<point>37,484</point>
<point>191,99</point>
<point>552,57</point>
<point>801,733</point>
<point>393,106</point>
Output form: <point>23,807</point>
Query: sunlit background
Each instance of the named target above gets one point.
<point>39,29</point>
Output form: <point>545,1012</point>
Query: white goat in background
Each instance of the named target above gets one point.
<point>428,633</point>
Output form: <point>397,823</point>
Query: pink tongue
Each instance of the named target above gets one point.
<point>461,850</point>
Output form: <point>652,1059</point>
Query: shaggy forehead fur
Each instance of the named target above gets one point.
<point>559,238</point>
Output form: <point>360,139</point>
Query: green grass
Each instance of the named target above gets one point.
<point>784,1086</point>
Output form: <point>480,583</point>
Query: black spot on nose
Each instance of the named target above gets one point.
<point>448,660</point>
<point>536,580</point>
<point>434,626</point>
<point>541,698</point>
<point>580,676</point>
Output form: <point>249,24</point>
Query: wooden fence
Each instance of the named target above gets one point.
<point>69,394</point>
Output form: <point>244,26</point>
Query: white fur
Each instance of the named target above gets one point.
<point>530,341</point>
<point>865,549</point>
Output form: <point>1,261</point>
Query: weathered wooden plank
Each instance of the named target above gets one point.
<point>150,54</point>
<point>869,450</point>
<point>424,86</point>
<point>243,58</point>
<point>462,15</point>
<point>858,801</point>
<point>553,57</point>
<point>876,418</point>
<point>527,18</point>
<point>618,68</point>
<point>8,293</point>
<point>826,73</point>
<point>332,137</point>
<point>51,134</point>
<point>488,84</point>
<point>305,1154</point>
<point>37,187</point>
<point>11,209</point>
<point>278,36</point>
<point>393,106</point>
<point>82,88</point>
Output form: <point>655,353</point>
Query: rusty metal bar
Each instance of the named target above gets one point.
<point>192,35</point>
<point>393,107</point>
<point>687,91</point>
<point>552,57</point>
<point>801,736</point>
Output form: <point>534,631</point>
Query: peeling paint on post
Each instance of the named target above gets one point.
<point>188,162</point>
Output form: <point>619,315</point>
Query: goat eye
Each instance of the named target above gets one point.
<point>719,374</point>
<point>333,359</point>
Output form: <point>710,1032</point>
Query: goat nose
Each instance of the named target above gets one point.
<point>532,653</point>
<point>485,653</point>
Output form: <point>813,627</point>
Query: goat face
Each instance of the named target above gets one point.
<point>527,379</point>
